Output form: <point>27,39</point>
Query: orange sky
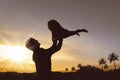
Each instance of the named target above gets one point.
<point>22,19</point>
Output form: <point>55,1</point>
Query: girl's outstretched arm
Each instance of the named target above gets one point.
<point>81,30</point>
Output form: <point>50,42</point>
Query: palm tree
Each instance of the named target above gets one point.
<point>102,62</point>
<point>112,57</point>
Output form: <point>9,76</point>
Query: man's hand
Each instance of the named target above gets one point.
<point>54,41</point>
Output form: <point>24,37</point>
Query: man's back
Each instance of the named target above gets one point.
<point>42,58</point>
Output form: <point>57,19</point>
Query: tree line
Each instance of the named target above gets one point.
<point>113,57</point>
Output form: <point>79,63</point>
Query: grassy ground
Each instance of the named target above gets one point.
<point>83,74</point>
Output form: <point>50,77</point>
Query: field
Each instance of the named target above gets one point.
<point>84,74</point>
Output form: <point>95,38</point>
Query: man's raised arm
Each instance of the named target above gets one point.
<point>56,46</point>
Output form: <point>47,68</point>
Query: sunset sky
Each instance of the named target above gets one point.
<point>22,19</point>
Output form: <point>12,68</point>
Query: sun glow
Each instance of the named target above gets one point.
<point>17,53</point>
<point>16,58</point>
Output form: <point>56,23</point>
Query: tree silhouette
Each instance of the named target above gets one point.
<point>112,57</point>
<point>102,62</point>
<point>73,69</point>
<point>106,67</point>
<point>79,66</point>
<point>66,69</point>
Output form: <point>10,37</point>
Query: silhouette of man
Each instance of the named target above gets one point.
<point>42,57</point>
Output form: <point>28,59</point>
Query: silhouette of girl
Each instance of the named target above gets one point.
<point>58,32</point>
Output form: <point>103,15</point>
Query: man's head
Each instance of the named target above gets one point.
<point>32,44</point>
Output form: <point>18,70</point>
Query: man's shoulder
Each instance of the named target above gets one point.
<point>42,49</point>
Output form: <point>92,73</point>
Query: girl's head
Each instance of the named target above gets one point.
<point>53,25</point>
<point>32,44</point>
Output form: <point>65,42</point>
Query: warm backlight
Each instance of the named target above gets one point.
<point>17,53</point>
